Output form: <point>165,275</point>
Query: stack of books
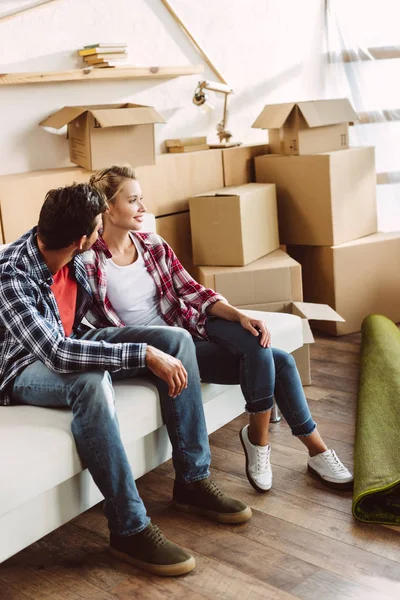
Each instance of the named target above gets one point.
<point>104,55</point>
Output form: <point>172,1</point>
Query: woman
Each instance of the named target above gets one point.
<point>136,279</point>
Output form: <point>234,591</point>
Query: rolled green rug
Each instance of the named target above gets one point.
<point>376,496</point>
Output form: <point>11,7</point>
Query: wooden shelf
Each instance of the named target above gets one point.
<point>357,55</point>
<point>99,74</point>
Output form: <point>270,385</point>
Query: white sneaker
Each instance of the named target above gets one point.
<point>327,467</point>
<point>258,466</point>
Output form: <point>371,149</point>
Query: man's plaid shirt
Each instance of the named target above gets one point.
<point>183,301</point>
<point>30,323</point>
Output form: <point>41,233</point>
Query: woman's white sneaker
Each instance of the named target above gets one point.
<point>258,466</point>
<point>327,467</point>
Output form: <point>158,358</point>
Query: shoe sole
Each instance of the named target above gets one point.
<point>346,485</point>
<point>162,570</point>
<point>252,483</point>
<point>239,517</point>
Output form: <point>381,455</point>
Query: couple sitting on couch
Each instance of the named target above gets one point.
<point>151,319</point>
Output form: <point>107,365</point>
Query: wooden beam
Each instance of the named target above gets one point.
<point>388,178</point>
<point>379,116</point>
<point>194,42</point>
<point>25,9</point>
<point>91,74</point>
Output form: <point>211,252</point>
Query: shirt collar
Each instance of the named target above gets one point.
<point>101,246</point>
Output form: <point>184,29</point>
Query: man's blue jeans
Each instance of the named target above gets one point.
<point>90,396</point>
<point>231,356</point>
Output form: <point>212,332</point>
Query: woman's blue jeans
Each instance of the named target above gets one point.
<point>231,356</point>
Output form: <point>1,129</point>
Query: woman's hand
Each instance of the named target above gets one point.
<point>257,328</point>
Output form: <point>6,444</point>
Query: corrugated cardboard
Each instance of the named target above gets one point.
<point>22,196</point>
<point>107,134</point>
<point>175,229</point>
<point>238,163</point>
<point>273,278</point>
<point>357,279</point>
<point>323,200</point>
<point>234,226</point>
<point>308,312</point>
<point>298,128</point>
<point>168,185</point>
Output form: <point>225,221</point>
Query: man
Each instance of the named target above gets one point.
<point>50,359</point>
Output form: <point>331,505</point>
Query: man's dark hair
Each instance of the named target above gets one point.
<point>69,213</point>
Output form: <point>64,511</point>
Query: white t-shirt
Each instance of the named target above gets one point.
<point>133,293</point>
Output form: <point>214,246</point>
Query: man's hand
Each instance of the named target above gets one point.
<point>257,328</point>
<point>167,368</point>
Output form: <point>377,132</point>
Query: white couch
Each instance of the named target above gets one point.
<point>43,483</point>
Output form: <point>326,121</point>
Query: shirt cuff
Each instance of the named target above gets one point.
<point>134,356</point>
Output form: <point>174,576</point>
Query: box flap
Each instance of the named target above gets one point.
<point>63,117</point>
<point>327,112</point>
<point>316,312</point>
<point>273,116</point>
<point>117,117</point>
<point>308,337</point>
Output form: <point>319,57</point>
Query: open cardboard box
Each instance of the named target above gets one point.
<point>308,312</point>
<point>235,225</point>
<point>106,134</point>
<point>307,127</point>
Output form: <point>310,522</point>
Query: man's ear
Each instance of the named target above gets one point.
<point>80,244</point>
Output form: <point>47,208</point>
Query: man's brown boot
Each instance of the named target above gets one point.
<point>151,551</point>
<point>205,498</point>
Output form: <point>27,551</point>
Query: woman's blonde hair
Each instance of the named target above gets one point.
<point>108,182</point>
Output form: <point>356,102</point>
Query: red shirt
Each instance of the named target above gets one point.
<point>65,290</point>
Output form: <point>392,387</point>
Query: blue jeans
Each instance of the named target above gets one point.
<point>90,396</point>
<point>233,355</point>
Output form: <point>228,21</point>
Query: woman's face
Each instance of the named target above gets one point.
<point>127,209</point>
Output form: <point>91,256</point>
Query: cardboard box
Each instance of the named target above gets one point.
<point>238,163</point>
<point>308,312</point>
<point>323,200</point>
<point>168,185</point>
<point>175,229</point>
<point>273,278</point>
<point>107,134</point>
<point>234,226</point>
<point>357,279</point>
<point>298,128</point>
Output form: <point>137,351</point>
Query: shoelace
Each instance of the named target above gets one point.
<point>210,487</point>
<point>263,459</point>
<point>155,534</point>
<point>335,464</point>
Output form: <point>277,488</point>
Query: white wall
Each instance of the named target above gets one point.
<point>267,50</point>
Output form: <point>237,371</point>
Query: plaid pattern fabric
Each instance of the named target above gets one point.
<point>30,323</point>
<point>183,301</point>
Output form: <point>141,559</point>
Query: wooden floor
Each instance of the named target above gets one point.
<point>302,541</point>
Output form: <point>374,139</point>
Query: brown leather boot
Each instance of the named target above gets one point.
<point>205,498</point>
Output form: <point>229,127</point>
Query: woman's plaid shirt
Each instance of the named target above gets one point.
<point>183,301</point>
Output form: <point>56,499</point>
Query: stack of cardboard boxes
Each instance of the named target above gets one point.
<point>236,247</point>
<point>326,196</point>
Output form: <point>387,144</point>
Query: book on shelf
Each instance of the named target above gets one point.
<point>105,65</point>
<point>106,45</point>
<point>103,50</point>
<point>97,58</point>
